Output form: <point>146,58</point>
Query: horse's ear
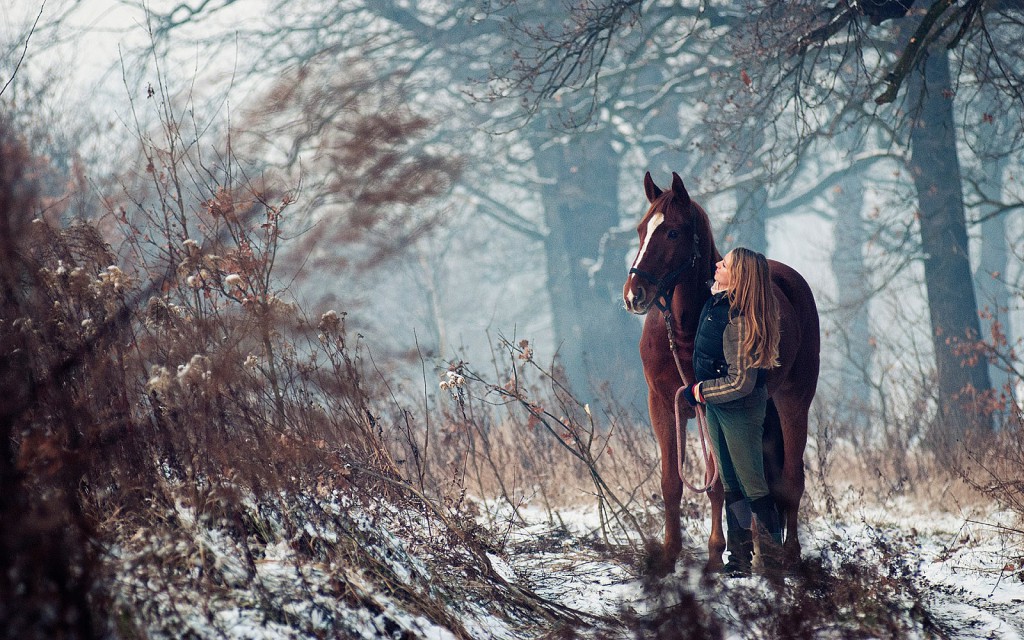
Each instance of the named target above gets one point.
<point>679,189</point>
<point>650,188</point>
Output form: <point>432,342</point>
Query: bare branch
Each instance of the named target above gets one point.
<point>25,50</point>
<point>826,183</point>
<point>918,44</point>
<point>833,25</point>
<point>506,215</point>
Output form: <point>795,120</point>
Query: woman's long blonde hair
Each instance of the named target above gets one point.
<point>750,295</point>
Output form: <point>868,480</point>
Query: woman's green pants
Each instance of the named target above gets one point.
<point>736,429</point>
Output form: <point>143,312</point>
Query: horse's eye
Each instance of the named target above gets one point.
<point>673,234</point>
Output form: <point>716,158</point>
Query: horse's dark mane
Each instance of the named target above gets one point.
<point>709,252</point>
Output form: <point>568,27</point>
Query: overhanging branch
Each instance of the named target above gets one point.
<point>918,44</point>
<point>506,215</point>
<point>830,181</point>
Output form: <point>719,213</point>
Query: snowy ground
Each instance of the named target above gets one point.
<point>356,570</point>
<point>964,569</point>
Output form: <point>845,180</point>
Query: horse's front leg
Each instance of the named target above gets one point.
<point>716,542</point>
<point>663,422</point>
<point>672,491</point>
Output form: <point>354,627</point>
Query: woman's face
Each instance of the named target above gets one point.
<point>723,272</point>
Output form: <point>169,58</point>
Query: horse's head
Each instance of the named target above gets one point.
<point>676,246</point>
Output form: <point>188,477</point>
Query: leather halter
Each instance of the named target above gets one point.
<point>666,285</point>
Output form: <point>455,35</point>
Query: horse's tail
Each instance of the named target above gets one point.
<point>771,441</point>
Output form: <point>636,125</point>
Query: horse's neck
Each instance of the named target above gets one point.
<point>687,302</point>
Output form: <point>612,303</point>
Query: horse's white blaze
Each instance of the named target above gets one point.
<point>652,224</point>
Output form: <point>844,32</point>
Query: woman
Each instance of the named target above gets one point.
<point>737,342</point>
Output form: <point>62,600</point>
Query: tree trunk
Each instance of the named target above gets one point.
<point>951,302</point>
<point>851,319</point>
<point>748,225</point>
<point>595,337</point>
<point>747,228</point>
<point>993,294</point>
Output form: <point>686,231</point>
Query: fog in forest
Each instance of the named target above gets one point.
<point>352,212</point>
<point>531,234</point>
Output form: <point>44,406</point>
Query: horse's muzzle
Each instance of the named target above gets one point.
<point>636,297</point>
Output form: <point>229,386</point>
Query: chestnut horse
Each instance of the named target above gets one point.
<point>671,273</point>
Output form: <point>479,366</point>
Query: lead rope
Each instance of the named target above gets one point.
<point>710,468</point>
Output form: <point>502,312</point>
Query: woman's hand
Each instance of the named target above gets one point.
<point>692,395</point>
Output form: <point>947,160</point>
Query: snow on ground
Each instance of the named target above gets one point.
<point>892,570</point>
<point>964,568</point>
<point>971,564</point>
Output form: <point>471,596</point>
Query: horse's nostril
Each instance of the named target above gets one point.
<point>639,296</point>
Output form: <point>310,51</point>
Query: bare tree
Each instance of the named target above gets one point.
<point>802,72</point>
<point>434,54</point>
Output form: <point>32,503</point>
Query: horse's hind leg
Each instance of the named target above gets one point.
<point>789,490</point>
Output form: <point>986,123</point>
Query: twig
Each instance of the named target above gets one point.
<point>1002,527</point>
<point>25,50</point>
<point>545,607</point>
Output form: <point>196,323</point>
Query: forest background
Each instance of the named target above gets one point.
<point>210,191</point>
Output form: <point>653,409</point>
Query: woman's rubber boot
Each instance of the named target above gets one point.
<point>769,535</point>
<point>739,539</point>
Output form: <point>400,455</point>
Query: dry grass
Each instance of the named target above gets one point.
<point>166,392</point>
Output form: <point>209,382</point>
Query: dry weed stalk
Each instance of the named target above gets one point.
<point>539,425</point>
<point>169,418</point>
<point>46,563</point>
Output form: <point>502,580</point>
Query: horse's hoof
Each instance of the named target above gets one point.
<point>714,564</point>
<point>791,553</point>
<point>657,562</point>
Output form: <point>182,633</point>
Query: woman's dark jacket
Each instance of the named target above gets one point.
<point>725,372</point>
